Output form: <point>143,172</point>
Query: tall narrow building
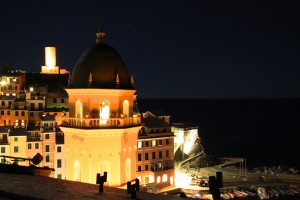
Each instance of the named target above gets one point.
<point>102,131</point>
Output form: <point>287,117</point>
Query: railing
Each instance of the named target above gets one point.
<point>3,141</point>
<point>47,129</point>
<point>31,139</point>
<point>101,123</point>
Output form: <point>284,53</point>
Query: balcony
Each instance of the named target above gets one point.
<point>3,141</point>
<point>101,123</point>
<point>47,129</point>
<point>159,167</point>
<point>32,139</point>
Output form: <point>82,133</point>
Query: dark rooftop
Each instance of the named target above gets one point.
<point>18,132</point>
<point>38,187</point>
<point>153,122</point>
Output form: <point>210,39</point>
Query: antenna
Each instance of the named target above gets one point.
<point>100,24</point>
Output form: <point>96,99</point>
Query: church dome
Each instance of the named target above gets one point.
<point>100,66</point>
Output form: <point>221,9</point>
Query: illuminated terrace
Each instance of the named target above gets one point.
<point>101,123</point>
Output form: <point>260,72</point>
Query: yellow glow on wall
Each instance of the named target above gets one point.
<point>128,169</point>
<point>182,179</point>
<point>179,139</point>
<point>77,170</point>
<point>50,57</point>
<point>125,108</point>
<point>78,109</point>
<point>190,139</point>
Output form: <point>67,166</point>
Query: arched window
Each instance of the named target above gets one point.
<point>126,108</point>
<point>105,166</point>
<point>128,169</point>
<point>164,178</point>
<point>158,179</point>
<point>104,112</point>
<point>78,109</point>
<point>76,170</point>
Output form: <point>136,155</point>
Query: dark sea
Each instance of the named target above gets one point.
<point>264,131</point>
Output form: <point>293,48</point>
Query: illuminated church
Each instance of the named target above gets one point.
<point>86,122</point>
<point>101,133</point>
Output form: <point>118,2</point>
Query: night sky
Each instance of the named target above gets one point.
<point>174,49</point>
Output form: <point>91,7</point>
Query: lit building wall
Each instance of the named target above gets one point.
<point>60,161</point>
<point>18,147</point>
<point>11,84</point>
<point>93,151</point>
<point>4,142</point>
<point>155,158</point>
<point>50,61</point>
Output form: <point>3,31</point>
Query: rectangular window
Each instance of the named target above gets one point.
<point>139,157</point>
<point>153,143</point>
<point>36,145</point>
<point>29,145</point>
<point>36,134</point>
<point>62,100</point>
<point>160,142</point>
<point>146,156</point>
<point>47,148</point>
<point>2,103</point>
<point>160,154</point>
<point>15,139</point>
<point>54,100</point>
<point>58,149</point>
<point>167,141</point>
<point>30,114</point>
<point>47,158</point>
<point>140,144</point>
<point>2,160</point>
<point>146,167</point>
<point>139,168</point>
<point>32,106</point>
<point>40,106</point>
<point>2,149</point>
<point>58,163</point>
<point>16,149</point>
<point>167,153</point>
<point>22,113</point>
<point>47,136</point>
<point>2,112</point>
<point>59,176</point>
<point>153,155</point>
<point>147,144</point>
<point>17,113</point>
<point>8,112</point>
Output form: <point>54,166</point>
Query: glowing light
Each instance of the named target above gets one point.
<point>182,179</point>
<point>104,112</point>
<point>158,179</point>
<point>3,83</point>
<point>153,143</point>
<point>140,144</point>
<point>78,109</point>
<point>179,139</point>
<point>50,57</point>
<point>31,89</point>
<point>165,178</point>
<point>190,140</point>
